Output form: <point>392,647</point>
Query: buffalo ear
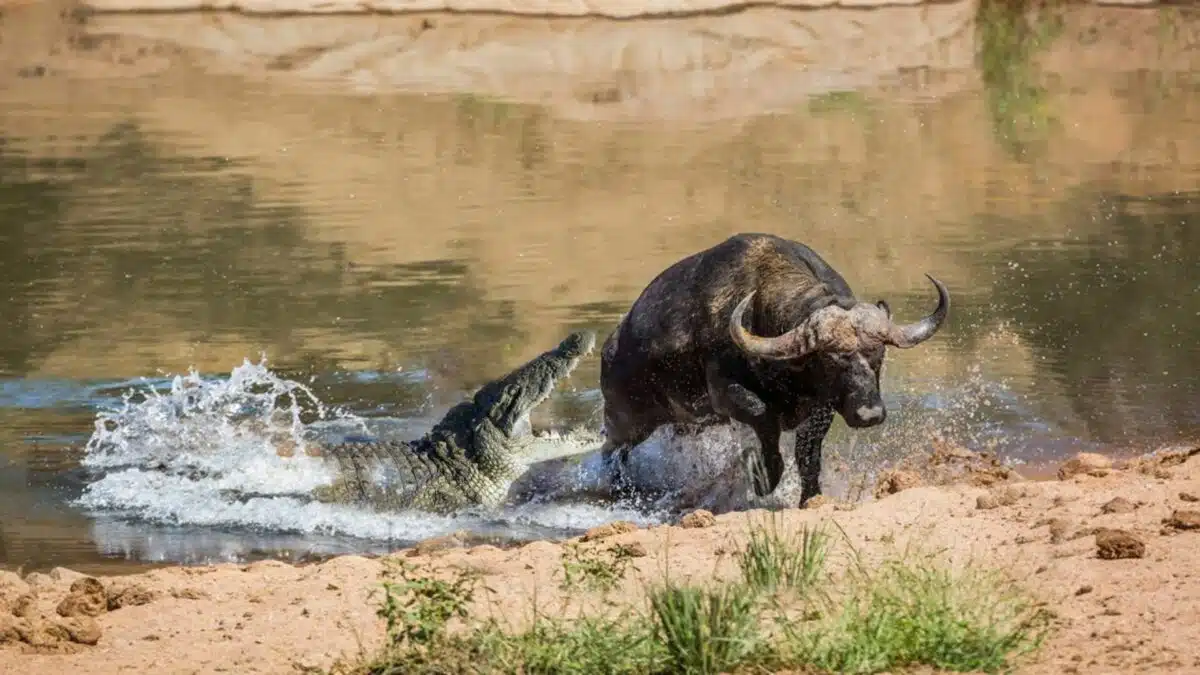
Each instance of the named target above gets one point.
<point>882,304</point>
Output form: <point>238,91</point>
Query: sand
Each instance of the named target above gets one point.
<point>1113,550</point>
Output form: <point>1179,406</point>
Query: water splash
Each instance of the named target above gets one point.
<point>674,471</point>
<point>216,453</point>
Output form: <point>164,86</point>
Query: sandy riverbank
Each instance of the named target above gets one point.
<point>621,9</point>
<point>1127,615</point>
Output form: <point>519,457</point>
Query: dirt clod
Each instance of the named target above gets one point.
<point>895,481</point>
<point>631,550</point>
<point>437,544</point>
<point>1005,496</point>
<point>130,595</point>
<point>1118,544</point>
<point>82,629</point>
<point>24,605</point>
<point>1085,463</point>
<point>1059,528</point>
<point>188,593</point>
<point>87,598</point>
<point>1118,505</point>
<point>1188,497</point>
<point>817,501</point>
<point>698,519</point>
<point>1184,520</point>
<point>609,530</point>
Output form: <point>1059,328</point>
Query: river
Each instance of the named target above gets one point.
<point>394,233</point>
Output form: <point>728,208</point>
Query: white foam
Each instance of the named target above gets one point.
<point>205,453</point>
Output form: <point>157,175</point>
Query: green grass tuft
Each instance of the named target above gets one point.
<point>705,630</point>
<point>592,569</point>
<point>888,617</point>
<point>773,561</point>
<point>906,614</point>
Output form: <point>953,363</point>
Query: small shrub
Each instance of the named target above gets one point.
<point>593,569</point>
<point>772,561</point>
<point>622,646</point>
<point>705,631</point>
<point>418,608</point>
<point>906,614</point>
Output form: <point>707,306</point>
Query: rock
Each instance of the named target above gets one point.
<point>1184,520</point>
<point>895,481</point>
<point>1006,496</point>
<point>1188,497</point>
<point>1085,463</point>
<point>1083,590</point>
<point>1118,544</point>
<point>83,630</point>
<point>87,598</point>
<point>698,519</point>
<point>130,595</point>
<point>609,530</point>
<point>1118,505</point>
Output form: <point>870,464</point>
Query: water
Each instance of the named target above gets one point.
<point>393,226</point>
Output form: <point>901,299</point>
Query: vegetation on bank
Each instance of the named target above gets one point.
<point>786,610</point>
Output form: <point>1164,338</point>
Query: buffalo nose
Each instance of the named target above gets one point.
<point>870,415</point>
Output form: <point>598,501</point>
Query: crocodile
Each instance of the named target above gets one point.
<point>468,459</point>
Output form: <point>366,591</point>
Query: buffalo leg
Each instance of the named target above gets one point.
<point>734,400</point>
<point>730,398</point>
<point>810,434</point>
<point>767,467</point>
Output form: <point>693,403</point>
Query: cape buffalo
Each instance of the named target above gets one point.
<point>759,329</point>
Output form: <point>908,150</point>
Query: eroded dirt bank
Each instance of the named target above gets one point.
<point>623,9</point>
<point>1113,551</point>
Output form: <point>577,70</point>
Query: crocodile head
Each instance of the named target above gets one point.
<point>506,403</point>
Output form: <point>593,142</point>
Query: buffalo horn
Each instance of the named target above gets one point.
<point>790,345</point>
<point>914,334</point>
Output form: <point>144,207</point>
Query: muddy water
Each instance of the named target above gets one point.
<point>394,242</point>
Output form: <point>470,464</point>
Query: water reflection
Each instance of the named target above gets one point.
<point>182,207</point>
<point>1112,310</point>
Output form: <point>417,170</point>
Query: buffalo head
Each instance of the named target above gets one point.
<point>849,346</point>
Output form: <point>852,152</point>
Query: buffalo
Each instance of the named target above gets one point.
<point>758,329</point>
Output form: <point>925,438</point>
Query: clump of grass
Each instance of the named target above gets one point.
<point>620,646</point>
<point>906,614</point>
<point>418,608</point>
<point>706,630</point>
<point>594,569</point>
<point>772,561</point>
<point>891,616</point>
